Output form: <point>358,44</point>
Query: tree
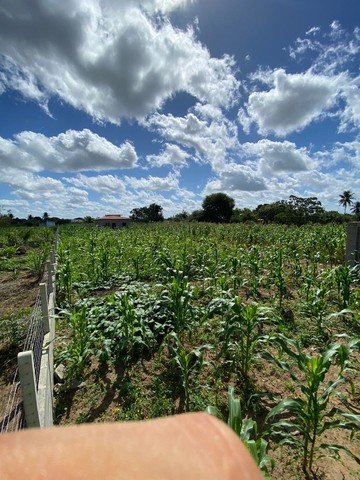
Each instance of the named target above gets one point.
<point>45,216</point>
<point>274,212</point>
<point>180,217</point>
<point>155,213</point>
<point>218,207</point>
<point>152,213</point>
<point>139,214</point>
<point>296,210</point>
<point>305,209</point>
<point>240,215</point>
<point>356,209</point>
<point>5,219</point>
<point>346,199</point>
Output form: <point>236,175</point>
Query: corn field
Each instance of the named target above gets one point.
<point>257,324</point>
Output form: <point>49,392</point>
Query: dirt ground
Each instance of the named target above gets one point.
<point>97,398</point>
<point>17,296</point>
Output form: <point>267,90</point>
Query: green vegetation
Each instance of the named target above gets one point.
<point>312,415</point>
<point>346,199</point>
<point>247,430</point>
<point>152,213</point>
<point>168,317</point>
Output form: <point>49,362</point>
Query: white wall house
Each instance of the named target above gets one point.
<point>113,221</point>
<point>47,223</point>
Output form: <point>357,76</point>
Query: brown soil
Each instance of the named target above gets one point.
<point>16,293</point>
<point>99,398</point>
<point>19,292</point>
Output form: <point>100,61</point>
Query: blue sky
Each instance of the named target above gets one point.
<point>110,105</point>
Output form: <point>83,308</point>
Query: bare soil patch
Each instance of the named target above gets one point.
<point>18,295</point>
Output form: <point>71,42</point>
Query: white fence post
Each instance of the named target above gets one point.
<point>50,277</point>
<point>52,258</point>
<point>29,389</point>
<point>44,307</point>
<point>353,243</point>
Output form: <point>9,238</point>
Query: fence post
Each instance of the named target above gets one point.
<point>52,259</point>
<point>353,243</point>
<point>44,307</point>
<point>50,277</point>
<point>28,387</point>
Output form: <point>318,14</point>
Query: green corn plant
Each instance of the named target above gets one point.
<point>316,309</point>
<point>136,261</point>
<point>128,325</point>
<point>77,352</point>
<point>65,276</point>
<point>91,258</point>
<point>36,260</point>
<point>311,414</point>
<point>278,275</point>
<point>169,266</point>
<point>255,265</point>
<point>104,263</point>
<point>118,329</point>
<point>178,298</point>
<point>189,362</point>
<point>242,333</point>
<point>223,286</point>
<point>343,279</point>
<point>307,282</point>
<point>247,430</point>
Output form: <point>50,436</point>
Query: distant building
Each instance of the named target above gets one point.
<point>113,221</point>
<point>47,223</point>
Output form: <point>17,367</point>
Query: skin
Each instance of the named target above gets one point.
<point>195,446</point>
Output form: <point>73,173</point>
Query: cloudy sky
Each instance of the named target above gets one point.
<point>110,105</point>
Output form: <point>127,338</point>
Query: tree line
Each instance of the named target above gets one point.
<point>220,208</point>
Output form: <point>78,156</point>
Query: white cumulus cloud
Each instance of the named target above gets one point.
<point>292,103</point>
<point>171,155</point>
<point>153,183</point>
<point>105,184</point>
<point>277,157</point>
<point>236,178</point>
<point>70,151</point>
<point>212,136</point>
<point>108,58</point>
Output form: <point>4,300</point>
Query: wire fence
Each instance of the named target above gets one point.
<point>14,415</point>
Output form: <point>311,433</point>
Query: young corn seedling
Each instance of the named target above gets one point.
<point>316,309</point>
<point>343,279</point>
<point>242,333</point>
<point>103,264</point>
<point>178,298</point>
<point>247,430</point>
<point>65,276</point>
<point>134,333</point>
<point>189,363</point>
<point>36,260</point>
<point>77,352</point>
<point>255,265</point>
<point>278,275</point>
<point>311,413</point>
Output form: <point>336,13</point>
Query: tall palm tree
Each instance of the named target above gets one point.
<point>346,198</point>
<point>356,209</point>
